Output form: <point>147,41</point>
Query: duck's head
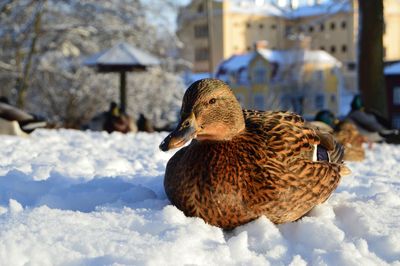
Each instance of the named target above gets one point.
<point>357,103</point>
<point>327,117</point>
<point>114,109</point>
<point>210,112</point>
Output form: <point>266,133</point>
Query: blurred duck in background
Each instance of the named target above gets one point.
<point>112,120</point>
<point>144,124</point>
<point>370,124</point>
<point>115,120</point>
<point>345,133</point>
<point>14,121</point>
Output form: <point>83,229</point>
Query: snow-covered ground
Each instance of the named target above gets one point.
<point>86,198</point>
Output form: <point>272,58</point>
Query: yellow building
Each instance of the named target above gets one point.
<point>238,24</point>
<point>303,81</point>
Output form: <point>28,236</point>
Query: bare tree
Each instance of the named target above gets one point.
<point>45,41</point>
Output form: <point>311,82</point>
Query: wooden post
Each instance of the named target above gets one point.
<point>122,88</point>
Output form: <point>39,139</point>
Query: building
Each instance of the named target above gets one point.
<point>238,24</point>
<point>304,81</point>
<point>392,77</point>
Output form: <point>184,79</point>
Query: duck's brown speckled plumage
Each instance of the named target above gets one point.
<point>266,169</point>
<point>348,135</point>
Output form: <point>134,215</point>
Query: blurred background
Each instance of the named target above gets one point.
<point>302,56</point>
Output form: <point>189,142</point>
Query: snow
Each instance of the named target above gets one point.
<point>328,8</point>
<point>88,198</point>
<point>288,60</point>
<point>303,10</point>
<point>255,7</point>
<point>282,57</point>
<point>122,54</point>
<point>235,64</point>
<point>287,57</point>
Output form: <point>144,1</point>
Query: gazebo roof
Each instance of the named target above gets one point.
<point>121,57</point>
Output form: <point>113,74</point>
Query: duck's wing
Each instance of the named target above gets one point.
<point>288,191</point>
<point>288,135</point>
<point>284,133</point>
<point>292,181</point>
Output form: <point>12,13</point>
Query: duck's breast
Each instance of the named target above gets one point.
<point>212,181</point>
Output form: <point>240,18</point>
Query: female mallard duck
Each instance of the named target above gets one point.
<point>244,164</point>
<point>115,120</point>
<point>348,135</point>
<point>345,132</point>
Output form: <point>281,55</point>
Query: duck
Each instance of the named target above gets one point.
<point>345,132</point>
<point>14,121</point>
<point>371,124</point>
<point>348,135</point>
<point>144,124</point>
<point>235,165</point>
<point>116,120</point>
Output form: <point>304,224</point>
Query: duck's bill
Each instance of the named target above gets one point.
<point>184,132</point>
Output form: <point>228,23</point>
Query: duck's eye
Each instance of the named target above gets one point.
<point>212,101</point>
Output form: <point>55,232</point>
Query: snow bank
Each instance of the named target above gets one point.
<point>85,198</point>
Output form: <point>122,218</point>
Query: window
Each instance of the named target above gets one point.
<point>319,101</point>
<point>260,73</point>
<point>298,104</point>
<point>321,27</point>
<point>351,66</point>
<point>396,121</point>
<point>273,27</point>
<point>261,26</point>
<point>288,30</point>
<point>343,24</point>
<point>344,48</point>
<point>259,102</point>
<point>333,49</point>
<point>200,31</point>
<point>242,77</point>
<point>396,95</point>
<point>333,25</point>
<point>200,8</point>
<point>311,29</point>
<point>319,75</point>
<point>201,54</point>
<point>248,25</point>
